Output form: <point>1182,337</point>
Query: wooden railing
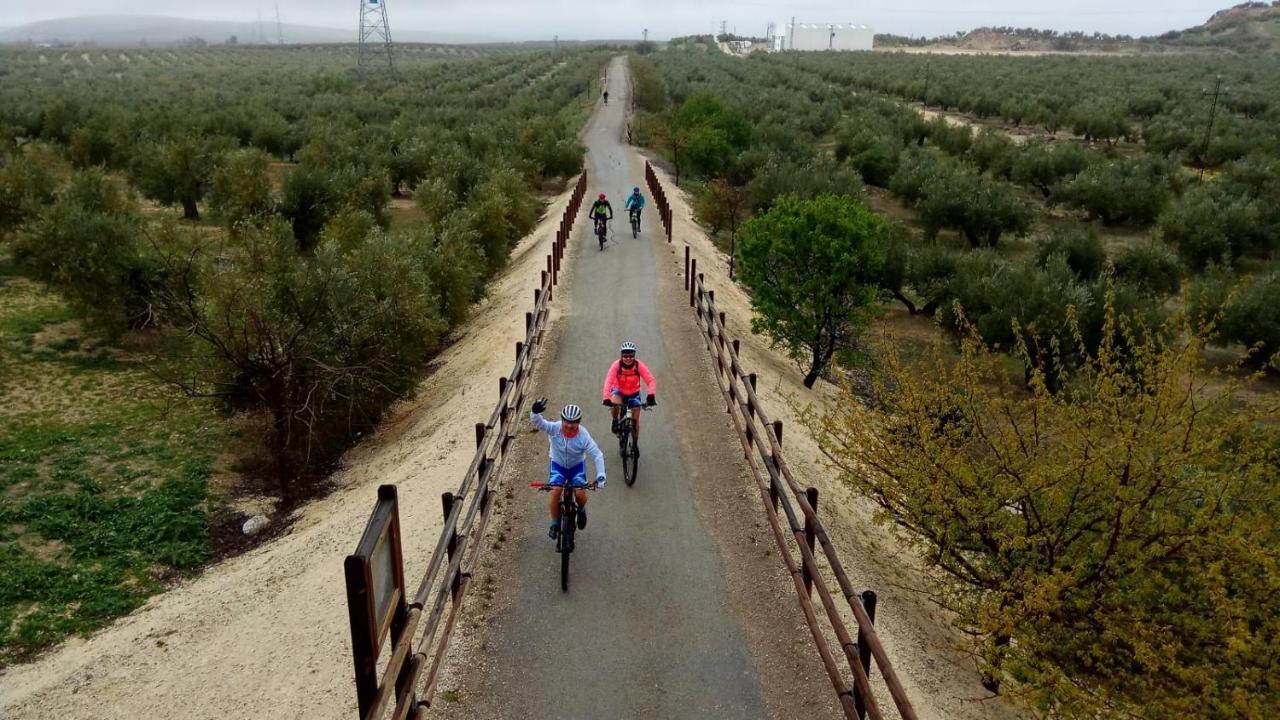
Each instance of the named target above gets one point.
<point>419,627</point>
<point>783,499</point>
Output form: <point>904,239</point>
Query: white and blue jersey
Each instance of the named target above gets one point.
<point>569,455</point>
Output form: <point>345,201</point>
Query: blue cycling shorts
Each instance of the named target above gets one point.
<point>559,474</point>
<point>632,400</point>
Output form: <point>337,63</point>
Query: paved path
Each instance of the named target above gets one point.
<point>645,618</point>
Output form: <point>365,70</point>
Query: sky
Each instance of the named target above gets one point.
<point>620,19</point>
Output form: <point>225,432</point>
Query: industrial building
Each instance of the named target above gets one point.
<point>827,36</point>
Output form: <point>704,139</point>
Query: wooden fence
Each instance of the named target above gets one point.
<point>419,627</point>
<point>786,502</point>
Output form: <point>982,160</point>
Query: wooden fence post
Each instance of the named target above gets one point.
<point>810,534</point>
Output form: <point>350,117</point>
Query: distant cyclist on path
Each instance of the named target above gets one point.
<point>622,386</point>
<point>570,445</point>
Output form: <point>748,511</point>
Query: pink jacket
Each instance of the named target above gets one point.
<point>627,380</point>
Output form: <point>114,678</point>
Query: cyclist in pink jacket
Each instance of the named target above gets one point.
<point>622,387</point>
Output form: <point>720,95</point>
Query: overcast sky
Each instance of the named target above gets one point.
<point>588,19</point>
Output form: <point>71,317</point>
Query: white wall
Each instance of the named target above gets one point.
<point>810,36</point>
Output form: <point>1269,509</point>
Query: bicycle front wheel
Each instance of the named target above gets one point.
<point>566,548</point>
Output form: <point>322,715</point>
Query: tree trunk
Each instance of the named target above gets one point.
<point>900,297</point>
<point>190,210</point>
<point>280,448</point>
<point>814,373</point>
<point>991,679</point>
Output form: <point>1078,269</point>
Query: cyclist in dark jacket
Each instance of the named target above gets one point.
<point>601,212</point>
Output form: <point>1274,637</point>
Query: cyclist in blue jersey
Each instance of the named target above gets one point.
<point>570,444</point>
<point>634,205</point>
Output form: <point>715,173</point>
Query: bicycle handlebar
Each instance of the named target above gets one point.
<point>547,486</point>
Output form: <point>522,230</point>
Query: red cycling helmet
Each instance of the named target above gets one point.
<point>601,196</point>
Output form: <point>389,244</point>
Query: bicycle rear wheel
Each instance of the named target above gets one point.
<point>631,464</point>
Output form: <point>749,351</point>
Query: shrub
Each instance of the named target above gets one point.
<point>321,343</point>
<point>178,172</point>
<point>88,245</point>
<point>26,184</point>
<point>806,179</point>
<point>1151,268</point>
<point>1244,311</point>
<point>502,210</point>
<point>1079,247</point>
<point>1213,224</point>
<point>1108,551</point>
<point>1127,190</point>
<point>240,190</point>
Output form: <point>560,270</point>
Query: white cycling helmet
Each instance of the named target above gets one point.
<point>572,413</point>
<point>627,346</point>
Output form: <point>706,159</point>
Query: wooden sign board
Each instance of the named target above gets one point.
<point>375,591</point>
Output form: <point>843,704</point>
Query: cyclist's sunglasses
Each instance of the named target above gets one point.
<point>628,354</point>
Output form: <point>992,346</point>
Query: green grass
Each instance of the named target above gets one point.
<point>104,484</point>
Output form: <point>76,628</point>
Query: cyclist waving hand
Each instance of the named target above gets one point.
<point>570,444</point>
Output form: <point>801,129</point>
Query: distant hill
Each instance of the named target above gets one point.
<point>1252,27</point>
<point>131,30</point>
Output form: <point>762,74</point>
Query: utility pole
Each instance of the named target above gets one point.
<point>646,35</point>
<point>724,29</point>
<point>262,38</point>
<point>557,44</point>
<point>926,82</point>
<point>375,35</point>
<point>1208,131</point>
<point>279,27</point>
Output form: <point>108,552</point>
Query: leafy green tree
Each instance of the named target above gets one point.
<point>240,189</point>
<point>88,245</point>
<point>714,133</point>
<point>178,172</point>
<point>1109,550</point>
<point>813,268</point>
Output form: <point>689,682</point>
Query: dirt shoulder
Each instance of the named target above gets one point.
<point>265,634</point>
<point>941,680</point>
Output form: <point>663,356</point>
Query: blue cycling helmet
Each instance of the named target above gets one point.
<point>636,189</point>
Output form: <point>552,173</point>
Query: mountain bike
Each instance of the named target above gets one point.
<point>602,231</point>
<point>635,222</point>
<point>629,444</point>
<point>568,526</point>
